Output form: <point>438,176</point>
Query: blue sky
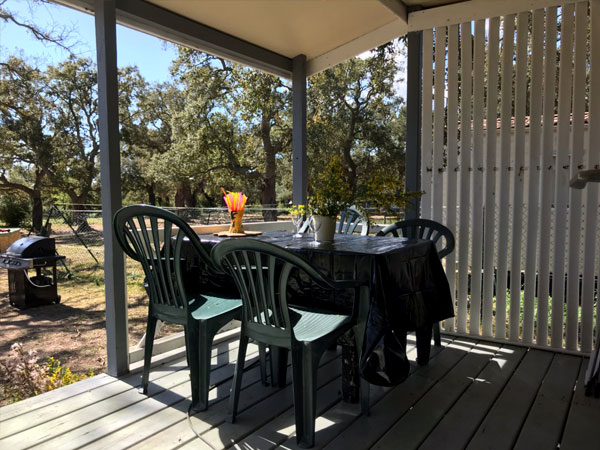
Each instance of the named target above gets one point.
<point>152,56</point>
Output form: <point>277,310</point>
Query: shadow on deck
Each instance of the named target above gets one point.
<point>471,395</point>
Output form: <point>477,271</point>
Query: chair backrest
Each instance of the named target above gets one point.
<point>145,233</point>
<point>350,219</point>
<point>422,229</point>
<point>261,272</point>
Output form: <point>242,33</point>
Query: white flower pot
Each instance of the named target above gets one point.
<point>324,228</point>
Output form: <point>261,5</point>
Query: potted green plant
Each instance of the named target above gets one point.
<point>331,195</point>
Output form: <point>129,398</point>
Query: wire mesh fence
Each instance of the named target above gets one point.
<point>78,233</point>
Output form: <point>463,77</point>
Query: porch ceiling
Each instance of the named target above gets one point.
<point>292,27</point>
<point>268,34</point>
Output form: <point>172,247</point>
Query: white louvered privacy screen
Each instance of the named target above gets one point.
<point>511,111</point>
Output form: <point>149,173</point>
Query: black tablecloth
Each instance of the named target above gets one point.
<point>408,286</point>
<point>406,276</point>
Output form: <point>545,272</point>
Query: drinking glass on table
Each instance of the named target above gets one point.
<point>298,216</point>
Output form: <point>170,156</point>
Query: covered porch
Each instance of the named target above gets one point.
<point>502,104</point>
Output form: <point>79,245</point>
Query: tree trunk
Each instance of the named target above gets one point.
<point>179,198</point>
<point>37,211</point>
<point>268,186</point>
<point>185,197</point>
<point>347,160</point>
<point>189,197</point>
<point>151,194</point>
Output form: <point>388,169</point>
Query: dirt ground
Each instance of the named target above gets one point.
<point>73,331</point>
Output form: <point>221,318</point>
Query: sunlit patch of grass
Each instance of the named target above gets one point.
<point>535,316</point>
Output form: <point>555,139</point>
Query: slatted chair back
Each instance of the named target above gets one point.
<point>154,237</point>
<point>261,272</point>
<point>350,219</point>
<point>423,229</point>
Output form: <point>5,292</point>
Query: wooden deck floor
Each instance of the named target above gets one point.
<point>472,395</point>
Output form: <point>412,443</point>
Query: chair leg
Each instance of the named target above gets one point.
<point>204,344</point>
<point>148,345</point>
<point>437,340</point>
<point>279,359</point>
<point>192,343</point>
<point>423,335</point>
<point>304,372</point>
<point>262,355</point>
<point>237,379</point>
<point>364,385</point>
<point>364,397</point>
<point>359,333</point>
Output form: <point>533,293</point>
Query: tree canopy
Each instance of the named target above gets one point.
<point>213,124</point>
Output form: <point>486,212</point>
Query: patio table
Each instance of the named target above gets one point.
<point>408,286</point>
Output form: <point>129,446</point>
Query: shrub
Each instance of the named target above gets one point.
<point>14,210</point>
<point>23,377</point>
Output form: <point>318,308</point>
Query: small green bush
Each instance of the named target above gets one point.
<point>23,377</point>
<point>15,211</point>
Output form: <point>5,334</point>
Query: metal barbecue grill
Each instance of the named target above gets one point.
<point>36,253</point>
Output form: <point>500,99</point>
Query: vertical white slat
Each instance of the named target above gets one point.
<point>514,324</point>
<point>439,113</point>
<point>591,192</point>
<point>533,164</point>
<point>576,161</point>
<point>465,159</point>
<point>561,187</point>
<point>452,151</point>
<point>547,176</point>
<point>477,177</point>
<point>504,172</point>
<point>426,136</point>
<point>490,178</point>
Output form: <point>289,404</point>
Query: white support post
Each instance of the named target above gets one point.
<point>117,345</point>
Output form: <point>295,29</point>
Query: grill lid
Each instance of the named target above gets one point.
<point>32,247</point>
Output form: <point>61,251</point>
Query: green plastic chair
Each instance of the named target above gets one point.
<point>428,230</point>
<point>137,229</point>
<point>261,272</point>
<point>350,219</point>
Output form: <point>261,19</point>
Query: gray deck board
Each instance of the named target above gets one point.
<point>333,416</point>
<point>500,428</point>
<point>96,392</point>
<point>461,421</point>
<point>367,430</point>
<point>582,429</point>
<point>418,422</point>
<point>544,424</point>
<point>471,395</point>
